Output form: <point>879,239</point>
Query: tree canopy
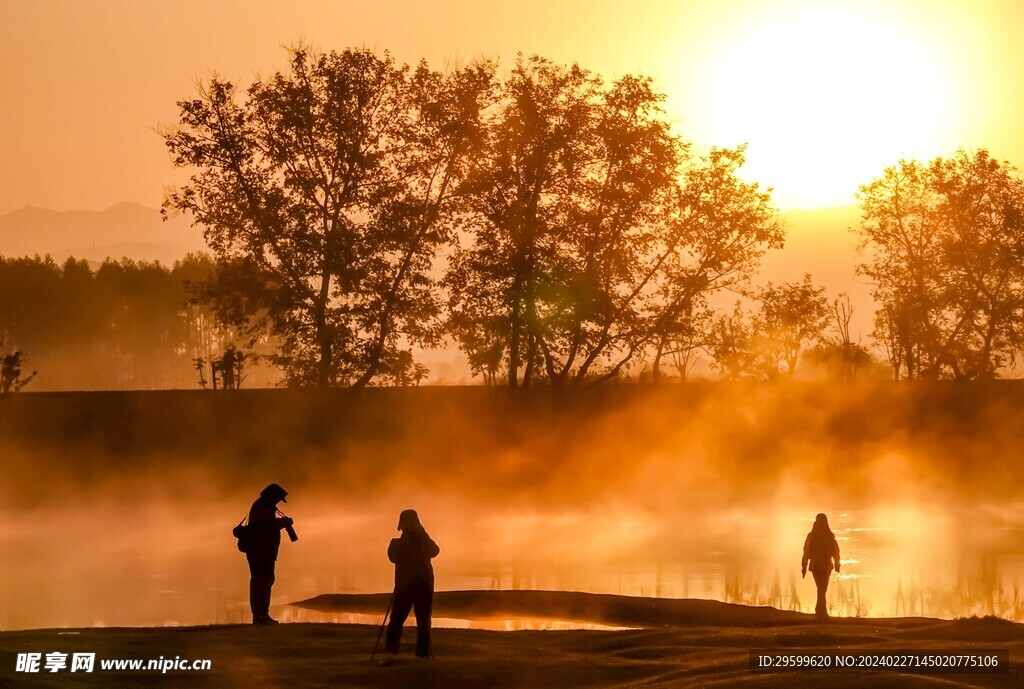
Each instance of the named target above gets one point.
<point>593,235</point>
<point>944,244</point>
<point>584,235</point>
<point>331,181</point>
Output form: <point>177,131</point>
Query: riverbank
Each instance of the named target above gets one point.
<point>708,646</point>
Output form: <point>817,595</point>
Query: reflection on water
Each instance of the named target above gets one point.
<point>117,509</point>
<point>104,567</point>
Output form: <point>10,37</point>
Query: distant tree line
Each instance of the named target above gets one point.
<point>121,324</point>
<point>125,324</point>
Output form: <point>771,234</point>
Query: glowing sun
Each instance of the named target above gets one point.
<point>825,100</point>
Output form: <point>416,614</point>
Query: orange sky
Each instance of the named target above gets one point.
<point>826,93</point>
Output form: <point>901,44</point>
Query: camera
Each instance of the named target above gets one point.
<point>291,530</point>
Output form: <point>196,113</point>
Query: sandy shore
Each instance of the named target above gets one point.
<point>685,644</point>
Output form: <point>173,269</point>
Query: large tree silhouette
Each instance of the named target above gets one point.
<point>592,237</point>
<point>559,203</point>
<point>514,270</point>
<point>331,181</point>
<point>944,244</point>
<point>712,240</point>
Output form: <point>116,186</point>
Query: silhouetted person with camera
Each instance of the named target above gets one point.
<point>414,582</point>
<point>821,556</point>
<point>264,540</point>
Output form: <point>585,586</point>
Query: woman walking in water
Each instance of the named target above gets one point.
<point>822,553</point>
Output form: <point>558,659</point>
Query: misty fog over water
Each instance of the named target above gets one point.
<point>117,507</point>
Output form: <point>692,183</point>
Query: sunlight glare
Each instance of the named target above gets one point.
<point>826,99</point>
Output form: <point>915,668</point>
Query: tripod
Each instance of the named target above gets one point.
<point>382,625</point>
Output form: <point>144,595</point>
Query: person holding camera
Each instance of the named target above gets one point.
<point>264,541</point>
<point>414,583</point>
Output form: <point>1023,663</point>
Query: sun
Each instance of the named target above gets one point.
<point>825,99</point>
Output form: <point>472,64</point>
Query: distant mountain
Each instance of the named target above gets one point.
<point>127,230</point>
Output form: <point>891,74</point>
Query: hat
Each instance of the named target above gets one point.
<point>274,490</point>
<point>408,519</point>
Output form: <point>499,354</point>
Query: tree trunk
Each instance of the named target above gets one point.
<point>531,356</point>
<point>513,349</point>
<point>323,333</point>
<point>326,358</point>
<point>656,369</point>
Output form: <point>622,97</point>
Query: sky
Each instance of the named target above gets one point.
<point>825,94</point>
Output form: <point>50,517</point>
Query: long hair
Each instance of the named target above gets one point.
<point>821,526</point>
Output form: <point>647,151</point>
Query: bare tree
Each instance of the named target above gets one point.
<point>838,352</point>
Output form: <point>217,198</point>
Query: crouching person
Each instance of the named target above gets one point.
<point>414,582</point>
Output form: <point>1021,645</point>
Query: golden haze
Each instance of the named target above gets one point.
<point>826,94</point>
